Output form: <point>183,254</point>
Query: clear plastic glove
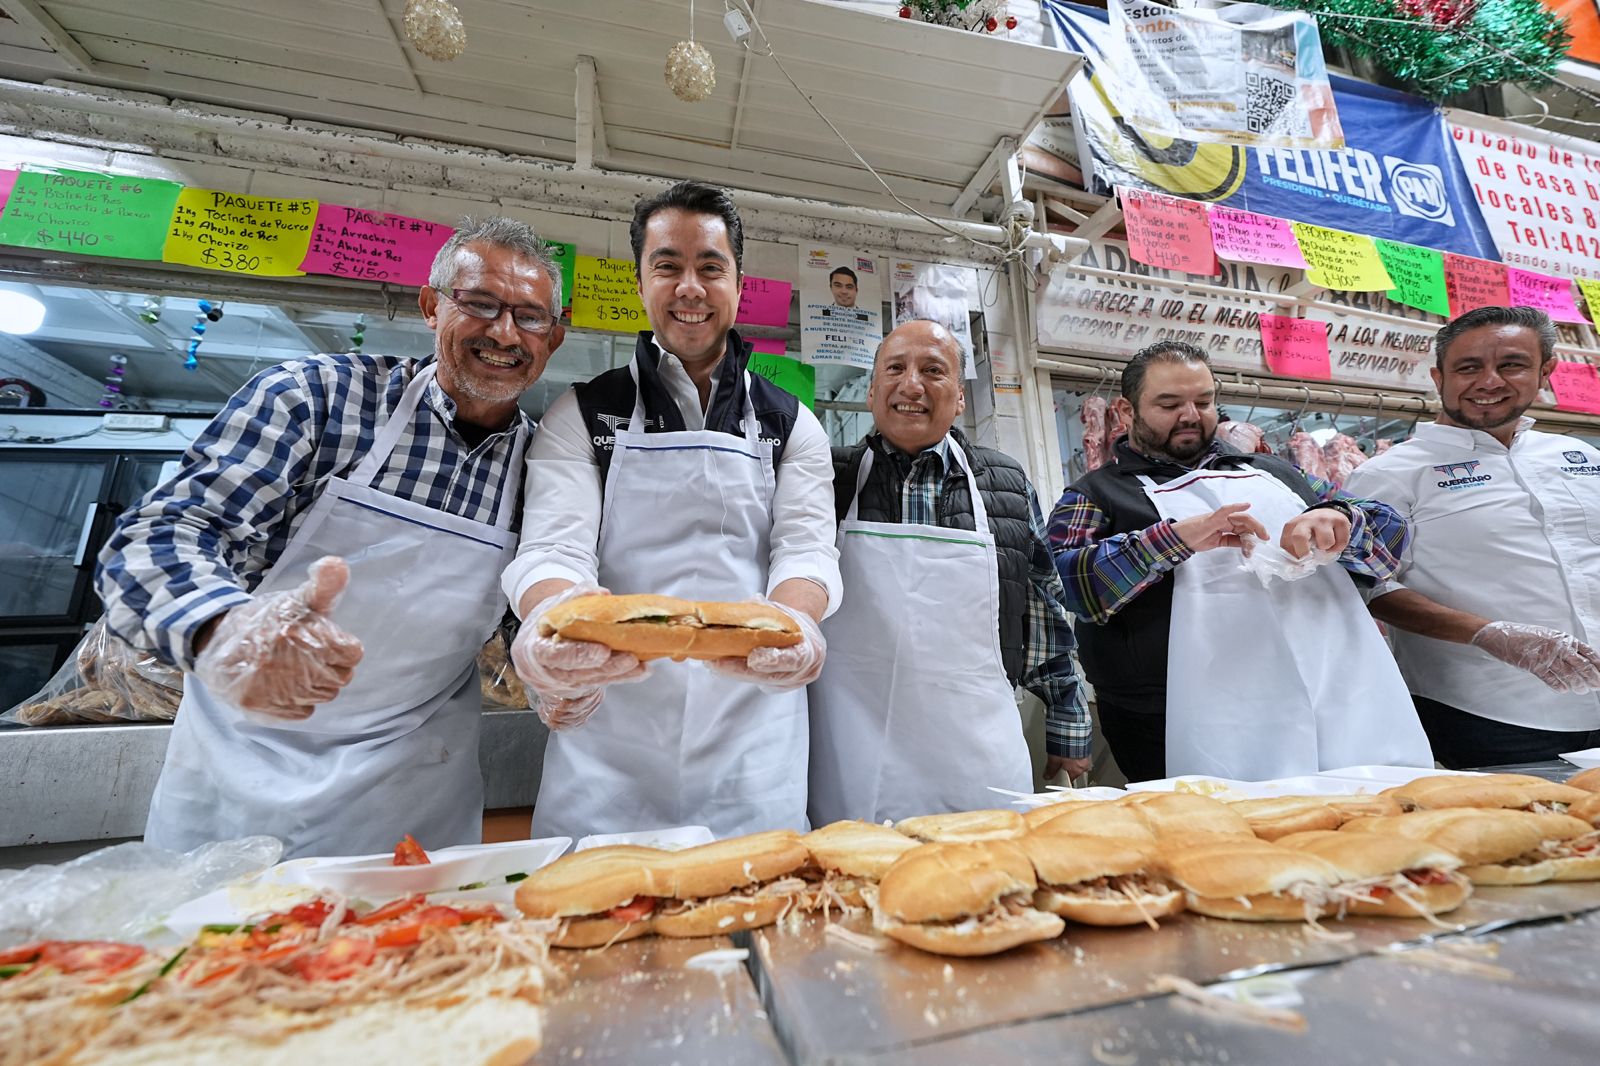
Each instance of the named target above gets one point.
<point>1268,562</point>
<point>569,672</point>
<point>1558,659</point>
<point>780,668</point>
<point>280,654</point>
<point>567,712</point>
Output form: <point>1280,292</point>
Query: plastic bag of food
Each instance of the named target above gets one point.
<point>497,678</point>
<point>105,679</point>
<point>123,892</point>
<point>1268,562</point>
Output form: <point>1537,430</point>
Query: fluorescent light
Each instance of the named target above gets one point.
<point>19,312</point>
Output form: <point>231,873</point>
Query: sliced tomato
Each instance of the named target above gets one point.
<point>635,910</point>
<point>410,932</point>
<point>25,953</point>
<point>220,972</point>
<point>1427,877</point>
<point>409,853</point>
<point>1380,891</point>
<point>99,956</point>
<point>314,913</point>
<point>392,910</point>
<point>481,914</point>
<point>343,957</point>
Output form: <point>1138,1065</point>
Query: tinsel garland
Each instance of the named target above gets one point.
<point>1438,48</point>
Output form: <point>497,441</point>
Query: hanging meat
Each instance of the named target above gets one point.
<point>1307,456</point>
<point>1343,455</point>
<point>1246,436</point>
<point>1093,415</point>
<point>1383,445</point>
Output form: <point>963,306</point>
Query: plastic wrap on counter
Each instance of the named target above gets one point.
<point>497,678</point>
<point>104,680</point>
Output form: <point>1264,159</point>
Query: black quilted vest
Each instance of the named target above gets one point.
<point>1126,658</point>
<point>1004,485</point>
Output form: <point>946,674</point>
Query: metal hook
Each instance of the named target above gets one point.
<point>1298,415</point>
<point>1333,422</point>
<point>1254,401</point>
<point>1377,422</point>
<point>389,304</point>
<point>1422,409</point>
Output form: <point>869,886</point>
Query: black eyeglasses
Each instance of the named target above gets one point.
<point>480,305</point>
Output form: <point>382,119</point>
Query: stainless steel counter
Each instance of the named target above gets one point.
<point>94,782</point>
<point>637,1003</point>
<point>833,1002</point>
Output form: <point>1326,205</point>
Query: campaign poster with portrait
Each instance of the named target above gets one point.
<point>841,306</point>
<point>936,292</point>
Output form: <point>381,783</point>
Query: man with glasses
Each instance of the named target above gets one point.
<point>325,565</point>
<point>681,474</point>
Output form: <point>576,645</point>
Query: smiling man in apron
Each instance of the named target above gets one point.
<point>685,475</point>
<point>1197,668</point>
<point>325,567</point>
<point>954,602</point>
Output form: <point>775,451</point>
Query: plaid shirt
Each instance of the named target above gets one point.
<point>1048,669</point>
<point>1103,571</point>
<point>195,546</point>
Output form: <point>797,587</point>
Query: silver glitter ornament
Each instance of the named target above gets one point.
<point>691,75</point>
<point>435,29</point>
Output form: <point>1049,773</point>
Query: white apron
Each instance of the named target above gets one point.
<point>1278,681</point>
<point>913,713</point>
<point>685,514</point>
<point>397,750</point>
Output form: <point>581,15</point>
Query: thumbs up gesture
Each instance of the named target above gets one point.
<point>281,654</point>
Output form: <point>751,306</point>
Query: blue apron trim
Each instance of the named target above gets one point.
<point>689,448</point>
<point>425,525</point>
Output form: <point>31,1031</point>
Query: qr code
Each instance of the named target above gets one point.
<point>1265,99</point>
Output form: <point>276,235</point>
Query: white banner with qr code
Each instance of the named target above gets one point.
<point>1240,74</point>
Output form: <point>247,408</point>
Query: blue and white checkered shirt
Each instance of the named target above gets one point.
<point>196,545</point>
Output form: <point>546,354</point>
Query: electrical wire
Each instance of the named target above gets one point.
<point>1016,229</point>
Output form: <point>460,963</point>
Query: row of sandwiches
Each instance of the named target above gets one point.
<point>979,882</point>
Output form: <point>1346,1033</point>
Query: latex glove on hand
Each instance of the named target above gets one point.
<point>780,668</point>
<point>568,675</point>
<point>1559,659</point>
<point>280,654</point>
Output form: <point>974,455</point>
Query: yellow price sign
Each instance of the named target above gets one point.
<point>1591,296</point>
<point>1345,262</point>
<point>605,295</point>
<point>262,235</point>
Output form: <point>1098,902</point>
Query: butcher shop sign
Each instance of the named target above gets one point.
<point>1080,313</point>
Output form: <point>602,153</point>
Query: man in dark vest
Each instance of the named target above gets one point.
<point>953,602</point>
<point>1199,666</point>
<point>681,474</point>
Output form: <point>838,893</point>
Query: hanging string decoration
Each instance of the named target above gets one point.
<point>113,379</point>
<point>1438,48</point>
<point>691,74</point>
<point>979,16</point>
<point>435,28</point>
<point>358,334</point>
<point>206,312</point>
<point>151,313</point>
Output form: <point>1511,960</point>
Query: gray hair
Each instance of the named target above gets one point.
<point>502,232</point>
<point>1526,317</point>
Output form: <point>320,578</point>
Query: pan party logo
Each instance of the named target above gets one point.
<point>1418,190</point>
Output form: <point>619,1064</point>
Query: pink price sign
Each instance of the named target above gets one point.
<point>1296,347</point>
<point>8,181</point>
<point>764,302</point>
<point>1169,232</point>
<point>1551,295</point>
<point>1577,387</point>
<point>349,242</point>
<point>1252,238</point>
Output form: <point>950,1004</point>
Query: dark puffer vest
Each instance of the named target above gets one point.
<point>1004,485</point>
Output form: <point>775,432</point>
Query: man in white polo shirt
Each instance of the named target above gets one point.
<point>1496,606</point>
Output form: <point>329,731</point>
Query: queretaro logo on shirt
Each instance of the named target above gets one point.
<point>1457,476</point>
<point>1575,457</point>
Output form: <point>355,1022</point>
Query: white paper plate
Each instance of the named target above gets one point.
<point>358,877</point>
<point>675,839</point>
<point>1587,759</point>
<point>1391,775</point>
<point>1220,787</point>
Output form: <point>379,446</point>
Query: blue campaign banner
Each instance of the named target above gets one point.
<point>1397,177</point>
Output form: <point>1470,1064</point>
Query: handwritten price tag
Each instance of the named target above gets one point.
<point>764,302</point>
<point>348,242</point>
<point>1577,387</point>
<point>1253,238</point>
<point>1553,296</point>
<point>1474,283</point>
<point>261,235</point>
<point>1169,232</point>
<point>1343,262</point>
<point>1296,347</point>
<point>95,214</point>
<point>1418,275</point>
<point>769,359</point>
<point>605,295</point>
